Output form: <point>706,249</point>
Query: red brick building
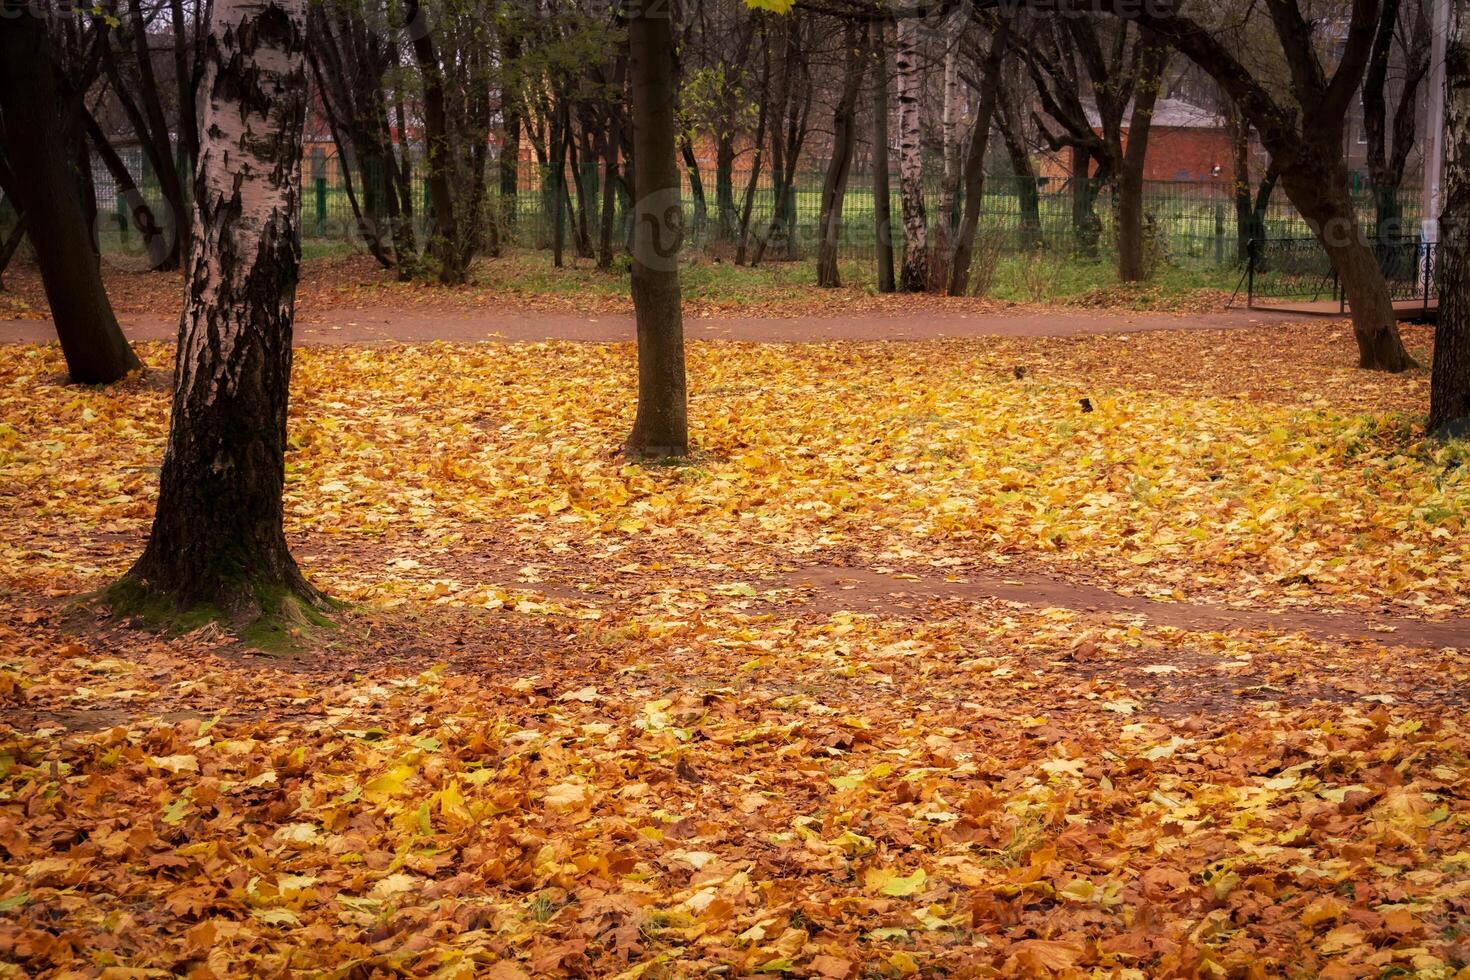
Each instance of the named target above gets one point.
<point>1185,143</point>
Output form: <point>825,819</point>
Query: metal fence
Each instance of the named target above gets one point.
<point>1299,270</point>
<point>1191,224</point>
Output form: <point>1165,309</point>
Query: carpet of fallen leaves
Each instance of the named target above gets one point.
<point>595,719</point>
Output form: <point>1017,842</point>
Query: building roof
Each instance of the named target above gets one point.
<point>1168,114</point>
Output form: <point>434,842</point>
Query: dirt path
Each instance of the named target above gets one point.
<point>389,325</point>
<point>834,588</point>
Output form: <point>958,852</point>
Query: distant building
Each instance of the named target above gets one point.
<point>1186,142</point>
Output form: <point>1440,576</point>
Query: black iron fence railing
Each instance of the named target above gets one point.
<point>1299,270</point>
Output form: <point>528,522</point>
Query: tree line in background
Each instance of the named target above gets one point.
<point>216,94</point>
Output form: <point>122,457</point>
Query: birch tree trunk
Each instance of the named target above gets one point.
<point>217,542</point>
<point>915,275</point>
<point>661,428</point>
<point>1449,387</point>
<point>95,349</point>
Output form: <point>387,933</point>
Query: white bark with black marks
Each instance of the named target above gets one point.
<point>910,88</point>
<point>218,537</point>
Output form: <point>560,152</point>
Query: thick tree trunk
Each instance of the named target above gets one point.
<point>96,351</point>
<point>834,182</point>
<point>915,276</point>
<point>1449,388</point>
<point>217,538</point>
<point>1321,195</point>
<point>974,173</point>
<point>1132,263</point>
<point>661,428</point>
<point>882,193</point>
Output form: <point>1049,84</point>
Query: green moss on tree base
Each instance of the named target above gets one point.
<point>276,619</point>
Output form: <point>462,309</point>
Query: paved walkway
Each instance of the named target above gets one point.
<point>387,325</point>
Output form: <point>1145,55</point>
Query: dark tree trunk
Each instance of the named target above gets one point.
<point>155,239</point>
<point>1304,134</point>
<point>10,244</point>
<point>185,76</point>
<point>1449,387</point>
<point>1028,195</point>
<point>510,151</point>
<point>443,246</point>
<point>151,122</point>
<point>748,207</point>
<point>1086,226</point>
<point>218,540</point>
<point>1321,195</point>
<point>834,183</point>
<point>882,194</point>
<point>1132,263</point>
<point>1262,204</point>
<point>661,428</point>
<point>1240,152</point>
<point>559,143</point>
<point>1386,164</point>
<point>611,177</point>
<point>725,216</point>
<point>95,349</point>
<point>974,168</point>
<point>696,185</point>
<point>584,172</point>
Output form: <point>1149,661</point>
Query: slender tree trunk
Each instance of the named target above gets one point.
<point>1132,263</point>
<point>559,143</point>
<point>1240,146</point>
<point>696,185</point>
<point>584,173</point>
<point>1449,387</point>
<point>510,151</point>
<point>834,183</point>
<point>217,538</point>
<point>762,119</point>
<point>725,187</point>
<point>155,242</point>
<point>1262,204</point>
<point>443,246</point>
<point>974,172</point>
<point>611,177</point>
<point>882,194</point>
<point>96,351</point>
<point>915,278</point>
<point>661,428</point>
<point>1028,197</point>
<point>155,134</point>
